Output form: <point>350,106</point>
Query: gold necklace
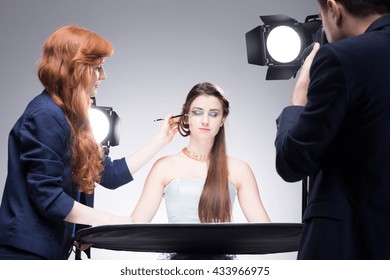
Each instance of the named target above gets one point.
<point>195,156</point>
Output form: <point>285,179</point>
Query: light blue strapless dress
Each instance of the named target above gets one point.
<point>182,199</point>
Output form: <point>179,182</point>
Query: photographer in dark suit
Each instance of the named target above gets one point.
<point>338,132</point>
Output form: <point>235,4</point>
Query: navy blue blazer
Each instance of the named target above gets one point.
<point>342,139</point>
<point>39,192</point>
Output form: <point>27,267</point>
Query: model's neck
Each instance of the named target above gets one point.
<point>200,146</point>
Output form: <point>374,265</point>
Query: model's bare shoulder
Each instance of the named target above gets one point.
<point>239,171</point>
<point>169,160</point>
<point>166,167</point>
<point>237,164</point>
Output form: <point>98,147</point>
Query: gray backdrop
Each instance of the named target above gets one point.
<point>162,49</point>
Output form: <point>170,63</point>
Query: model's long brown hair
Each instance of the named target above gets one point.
<point>214,204</point>
<point>69,57</point>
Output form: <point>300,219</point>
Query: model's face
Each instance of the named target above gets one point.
<point>98,74</point>
<point>205,116</point>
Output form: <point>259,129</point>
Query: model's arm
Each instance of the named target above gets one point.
<point>248,192</point>
<point>151,196</point>
<point>165,134</point>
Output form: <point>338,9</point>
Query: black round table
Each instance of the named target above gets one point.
<point>229,238</point>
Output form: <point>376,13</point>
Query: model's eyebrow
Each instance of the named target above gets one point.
<point>198,108</point>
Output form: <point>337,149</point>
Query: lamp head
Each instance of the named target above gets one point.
<point>105,124</point>
<point>280,43</point>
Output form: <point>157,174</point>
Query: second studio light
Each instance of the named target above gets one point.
<point>280,43</point>
<point>105,124</point>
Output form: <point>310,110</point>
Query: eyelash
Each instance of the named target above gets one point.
<point>197,112</point>
<point>200,112</point>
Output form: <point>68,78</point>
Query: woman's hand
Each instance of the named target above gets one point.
<point>168,129</point>
<point>165,134</point>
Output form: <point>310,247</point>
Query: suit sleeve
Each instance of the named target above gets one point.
<point>305,133</point>
<point>115,174</point>
<point>44,137</point>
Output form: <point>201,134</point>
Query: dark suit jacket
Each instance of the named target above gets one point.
<point>39,193</point>
<point>342,139</point>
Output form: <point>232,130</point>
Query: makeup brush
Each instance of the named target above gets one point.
<point>176,116</point>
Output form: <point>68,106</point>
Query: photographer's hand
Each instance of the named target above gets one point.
<point>299,93</point>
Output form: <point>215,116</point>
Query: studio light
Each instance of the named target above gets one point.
<point>281,42</point>
<point>105,124</point>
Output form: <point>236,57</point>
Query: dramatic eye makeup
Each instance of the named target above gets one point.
<point>199,112</point>
<point>214,113</point>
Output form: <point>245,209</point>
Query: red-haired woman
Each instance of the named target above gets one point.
<point>53,156</point>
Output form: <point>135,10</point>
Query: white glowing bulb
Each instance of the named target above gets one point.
<point>283,44</point>
<point>99,123</point>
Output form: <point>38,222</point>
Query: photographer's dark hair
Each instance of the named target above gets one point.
<point>362,8</point>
